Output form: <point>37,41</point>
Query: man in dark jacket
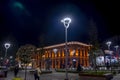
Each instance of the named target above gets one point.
<point>79,67</point>
<point>16,70</point>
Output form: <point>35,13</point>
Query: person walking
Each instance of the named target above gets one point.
<point>5,71</point>
<point>37,73</point>
<point>79,67</point>
<point>16,70</point>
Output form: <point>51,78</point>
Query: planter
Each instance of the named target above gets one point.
<point>84,76</point>
<point>69,71</point>
<point>43,72</point>
<point>17,78</point>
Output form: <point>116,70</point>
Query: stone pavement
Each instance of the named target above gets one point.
<point>117,77</point>
<point>48,76</point>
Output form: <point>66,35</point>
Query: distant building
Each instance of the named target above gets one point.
<point>77,53</point>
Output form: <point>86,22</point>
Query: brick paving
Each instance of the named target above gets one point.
<point>48,76</point>
<point>117,77</point>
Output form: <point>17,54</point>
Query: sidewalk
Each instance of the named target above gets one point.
<point>21,74</point>
<point>48,76</point>
<point>117,77</point>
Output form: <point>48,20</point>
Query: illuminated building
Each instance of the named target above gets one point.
<point>77,53</point>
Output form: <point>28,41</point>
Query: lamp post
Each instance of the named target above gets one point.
<point>11,60</point>
<point>108,44</point>
<point>43,61</point>
<point>73,53</point>
<point>7,45</point>
<point>116,47</point>
<point>55,51</point>
<point>66,21</point>
<point>1,59</point>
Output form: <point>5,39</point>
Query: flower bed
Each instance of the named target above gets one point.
<point>43,72</point>
<point>17,78</point>
<point>95,76</point>
<point>69,71</point>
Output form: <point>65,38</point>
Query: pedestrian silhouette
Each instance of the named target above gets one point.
<point>107,65</point>
<point>37,73</point>
<point>79,67</point>
<point>16,70</point>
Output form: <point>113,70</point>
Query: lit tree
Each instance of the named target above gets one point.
<point>24,54</point>
<point>26,50</point>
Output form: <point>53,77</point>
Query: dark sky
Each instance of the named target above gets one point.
<point>24,21</point>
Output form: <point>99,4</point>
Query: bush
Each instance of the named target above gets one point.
<point>17,78</point>
<point>63,70</point>
<point>95,73</point>
<point>43,72</point>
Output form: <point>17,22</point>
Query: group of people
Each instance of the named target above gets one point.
<point>16,70</point>
<point>37,72</point>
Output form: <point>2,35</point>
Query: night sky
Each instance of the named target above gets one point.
<point>25,21</point>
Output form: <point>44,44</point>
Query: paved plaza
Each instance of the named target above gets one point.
<point>117,77</point>
<point>48,76</point>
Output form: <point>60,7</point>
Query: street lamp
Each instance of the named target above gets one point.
<point>1,59</point>
<point>7,45</point>
<point>43,61</point>
<point>11,60</point>
<point>55,51</point>
<point>116,47</point>
<point>66,21</point>
<point>73,60</point>
<point>108,44</point>
<point>11,57</point>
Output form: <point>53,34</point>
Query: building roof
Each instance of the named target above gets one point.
<point>63,44</point>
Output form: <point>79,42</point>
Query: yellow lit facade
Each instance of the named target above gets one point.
<point>77,53</point>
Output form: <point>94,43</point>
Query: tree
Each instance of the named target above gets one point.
<point>41,53</point>
<point>93,40</point>
<point>25,51</point>
<point>24,54</point>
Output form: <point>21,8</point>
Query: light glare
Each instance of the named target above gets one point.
<point>66,21</point>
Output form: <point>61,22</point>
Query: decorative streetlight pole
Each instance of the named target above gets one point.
<point>11,60</point>
<point>73,60</point>
<point>1,61</point>
<point>7,45</point>
<point>66,21</point>
<point>116,47</point>
<point>108,44</point>
<point>117,53</point>
<point>55,51</point>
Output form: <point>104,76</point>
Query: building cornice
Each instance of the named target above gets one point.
<point>63,44</point>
